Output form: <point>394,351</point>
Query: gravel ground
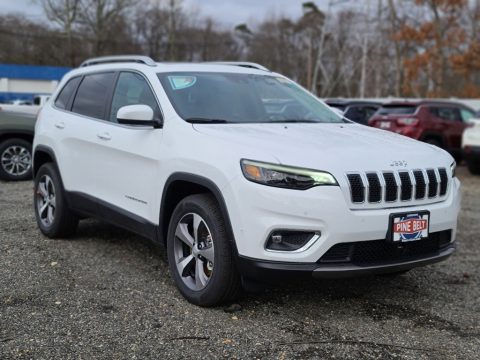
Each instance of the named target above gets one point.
<point>107,294</point>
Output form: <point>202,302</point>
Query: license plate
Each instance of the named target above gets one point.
<point>385,124</point>
<point>409,226</point>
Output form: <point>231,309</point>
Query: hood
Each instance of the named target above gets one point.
<point>330,147</point>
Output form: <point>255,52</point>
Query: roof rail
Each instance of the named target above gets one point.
<point>245,64</point>
<point>119,59</point>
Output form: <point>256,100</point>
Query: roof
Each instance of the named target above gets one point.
<point>170,67</point>
<point>32,72</point>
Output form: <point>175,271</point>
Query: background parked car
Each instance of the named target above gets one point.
<point>434,122</point>
<point>471,146</point>
<point>26,106</point>
<point>20,102</point>
<point>355,110</point>
<point>16,137</point>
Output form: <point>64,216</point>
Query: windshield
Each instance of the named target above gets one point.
<point>206,97</point>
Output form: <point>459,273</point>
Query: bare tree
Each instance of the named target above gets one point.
<point>64,13</point>
<point>99,17</point>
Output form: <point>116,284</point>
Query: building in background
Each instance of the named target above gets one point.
<point>23,82</point>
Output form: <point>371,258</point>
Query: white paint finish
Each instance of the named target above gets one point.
<point>135,113</point>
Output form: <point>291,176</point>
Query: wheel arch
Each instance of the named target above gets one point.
<point>42,155</point>
<point>24,135</point>
<point>180,185</point>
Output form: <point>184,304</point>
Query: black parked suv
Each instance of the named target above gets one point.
<point>356,110</point>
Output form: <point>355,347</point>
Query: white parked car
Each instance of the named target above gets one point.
<point>471,146</point>
<point>243,175</point>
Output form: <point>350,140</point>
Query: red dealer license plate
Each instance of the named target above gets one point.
<point>409,226</point>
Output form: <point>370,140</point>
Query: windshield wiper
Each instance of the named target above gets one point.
<point>199,120</point>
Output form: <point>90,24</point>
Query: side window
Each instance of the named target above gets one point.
<point>467,115</point>
<point>369,112</point>
<point>355,113</point>
<point>66,93</point>
<point>92,95</point>
<point>132,89</point>
<point>446,113</point>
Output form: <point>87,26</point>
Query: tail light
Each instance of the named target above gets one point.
<point>407,121</point>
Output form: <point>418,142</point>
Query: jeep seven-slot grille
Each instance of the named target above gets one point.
<point>421,184</point>
<point>357,188</point>
<point>403,185</point>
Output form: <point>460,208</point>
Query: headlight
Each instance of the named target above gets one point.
<point>453,168</point>
<point>285,176</point>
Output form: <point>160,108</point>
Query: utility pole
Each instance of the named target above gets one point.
<point>365,52</point>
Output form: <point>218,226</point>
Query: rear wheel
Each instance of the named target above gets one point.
<point>200,254</point>
<point>54,218</point>
<point>15,160</point>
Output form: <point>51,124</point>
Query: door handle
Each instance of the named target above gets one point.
<point>60,125</point>
<point>104,136</point>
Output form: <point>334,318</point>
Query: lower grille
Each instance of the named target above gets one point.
<point>377,252</point>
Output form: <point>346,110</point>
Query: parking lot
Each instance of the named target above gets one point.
<point>107,294</point>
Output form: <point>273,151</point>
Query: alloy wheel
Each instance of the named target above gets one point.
<point>16,160</point>
<point>194,251</point>
<point>46,200</point>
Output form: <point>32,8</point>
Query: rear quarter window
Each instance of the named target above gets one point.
<point>66,94</point>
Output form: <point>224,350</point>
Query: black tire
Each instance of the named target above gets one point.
<point>224,282</point>
<point>473,165</point>
<point>64,222</point>
<point>7,149</point>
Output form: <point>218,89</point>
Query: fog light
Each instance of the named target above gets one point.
<point>277,239</point>
<point>291,240</point>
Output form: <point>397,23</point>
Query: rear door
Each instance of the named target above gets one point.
<point>78,129</point>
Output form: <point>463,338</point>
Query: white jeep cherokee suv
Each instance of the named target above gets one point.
<point>240,172</point>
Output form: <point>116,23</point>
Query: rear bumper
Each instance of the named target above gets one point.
<point>269,271</point>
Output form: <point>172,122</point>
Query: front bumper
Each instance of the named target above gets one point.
<point>256,211</point>
<point>269,271</point>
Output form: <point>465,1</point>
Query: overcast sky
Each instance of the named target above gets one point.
<point>226,12</point>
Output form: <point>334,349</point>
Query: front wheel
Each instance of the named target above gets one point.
<point>200,255</point>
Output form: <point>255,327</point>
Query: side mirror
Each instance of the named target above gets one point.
<point>141,115</point>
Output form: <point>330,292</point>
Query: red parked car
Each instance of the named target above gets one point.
<point>435,122</point>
